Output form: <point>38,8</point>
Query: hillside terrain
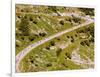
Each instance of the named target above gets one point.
<point>50,38</point>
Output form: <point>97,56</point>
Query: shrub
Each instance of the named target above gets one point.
<point>52,43</point>
<point>61,22</point>
<point>58,51</point>
<point>24,26</point>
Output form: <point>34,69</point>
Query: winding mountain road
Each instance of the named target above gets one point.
<point>24,52</point>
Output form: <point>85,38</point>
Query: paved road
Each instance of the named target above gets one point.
<point>24,52</point>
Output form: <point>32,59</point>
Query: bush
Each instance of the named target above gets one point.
<point>85,42</point>
<point>61,22</point>
<point>58,51</point>
<point>35,22</point>
<point>24,26</point>
<point>68,55</point>
<point>42,34</point>
<point>17,45</point>
<point>72,40</point>
<point>52,43</point>
<point>31,38</point>
<point>88,11</point>
<point>52,8</point>
<point>49,65</point>
<point>76,19</point>
<point>48,48</point>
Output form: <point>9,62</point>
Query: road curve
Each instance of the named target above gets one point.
<point>24,52</point>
